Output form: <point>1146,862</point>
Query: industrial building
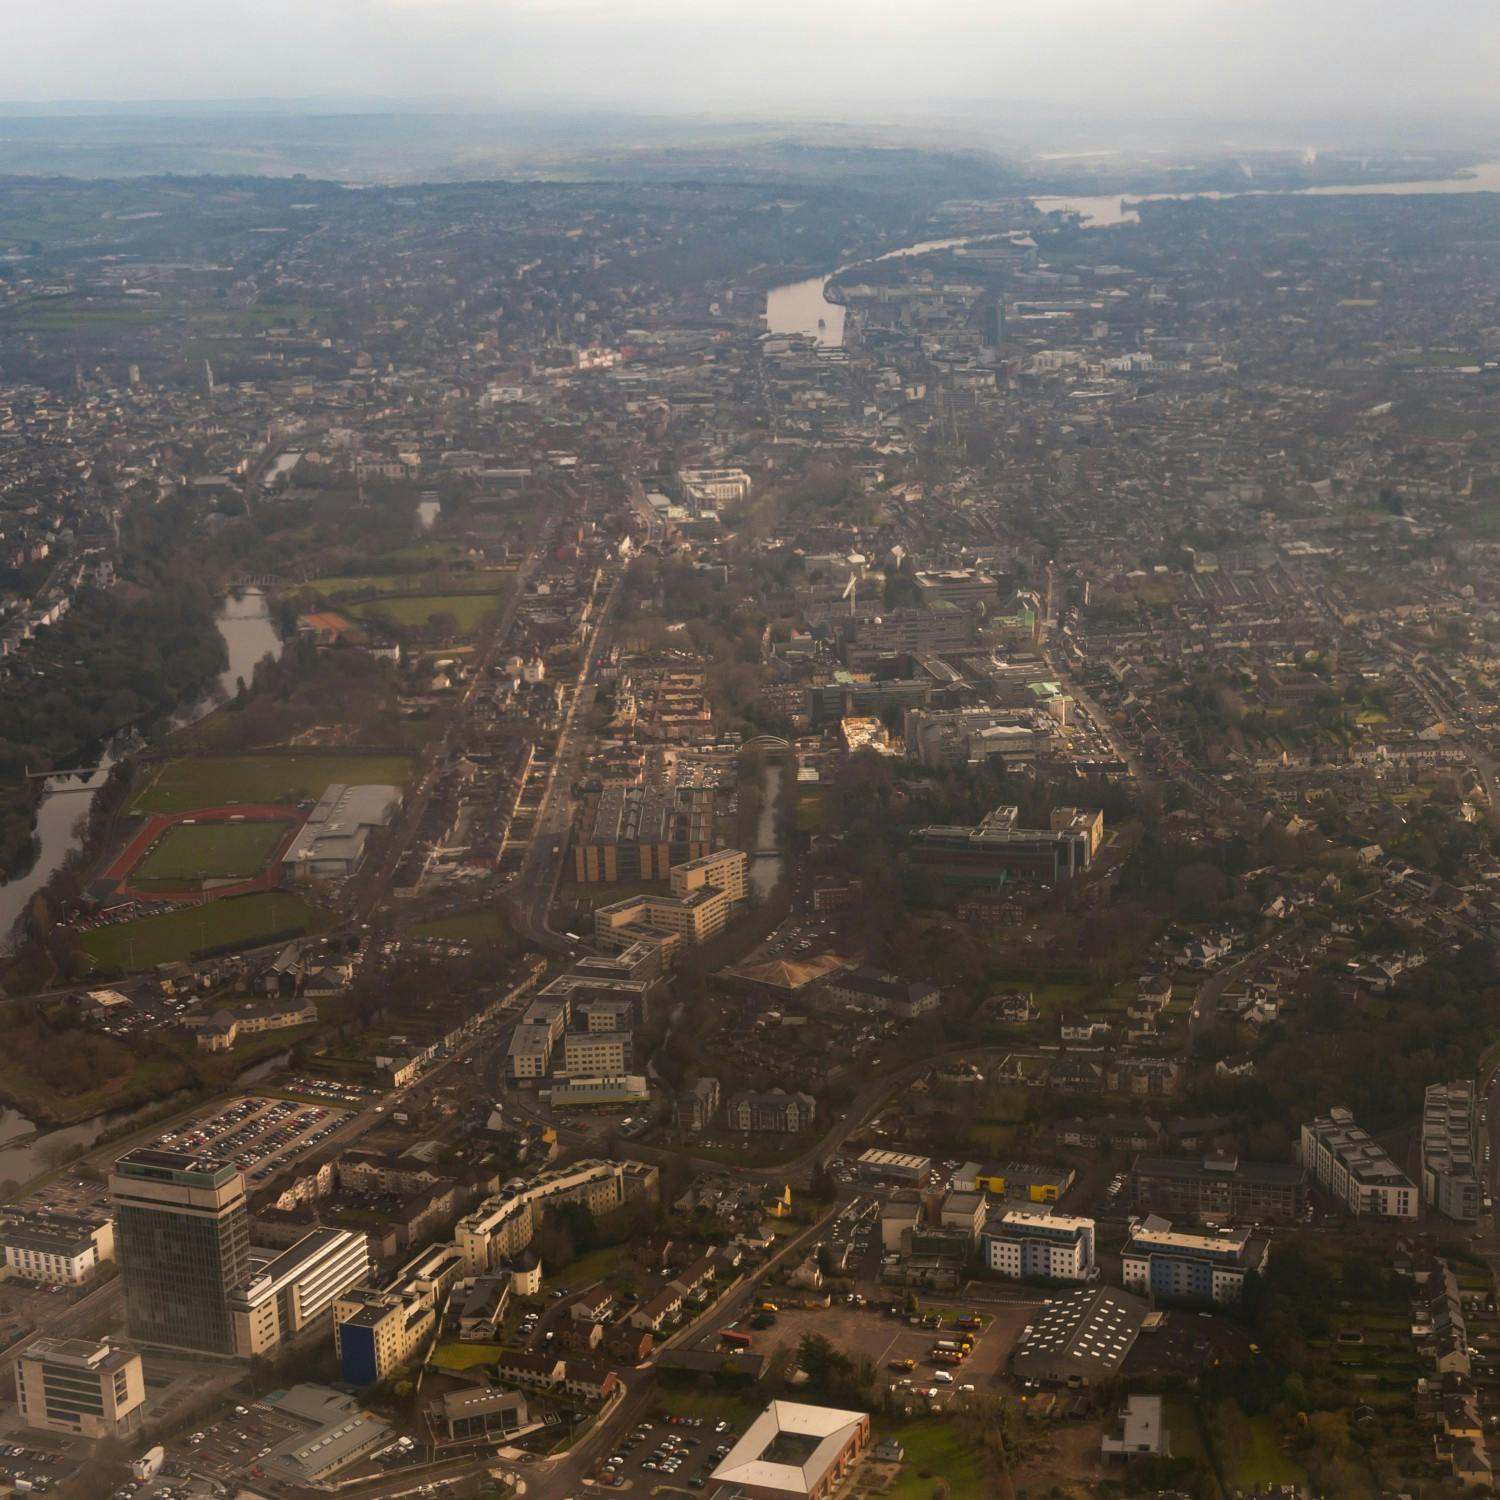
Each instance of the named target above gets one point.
<point>1079,1339</point>
<point>895,1166</point>
<point>331,844</point>
<point>335,1433</point>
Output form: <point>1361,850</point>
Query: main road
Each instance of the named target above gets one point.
<point>535,885</point>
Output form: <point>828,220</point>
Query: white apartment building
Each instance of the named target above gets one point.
<point>1023,1242</point>
<point>1352,1167</point>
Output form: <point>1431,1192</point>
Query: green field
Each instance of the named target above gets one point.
<point>176,935</point>
<point>481,924</point>
<point>1262,1462</point>
<point>457,1356</point>
<point>940,1450</point>
<point>213,780</point>
<point>209,851</point>
<point>411,611</point>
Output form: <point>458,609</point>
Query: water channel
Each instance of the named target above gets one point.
<point>244,621</point>
<point>26,1153</point>
<point>767,860</point>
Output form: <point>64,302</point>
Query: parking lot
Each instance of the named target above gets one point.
<point>237,1443</point>
<point>45,1469</point>
<point>257,1134</point>
<point>680,1452</point>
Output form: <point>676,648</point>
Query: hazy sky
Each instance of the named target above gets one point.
<point>1241,58</point>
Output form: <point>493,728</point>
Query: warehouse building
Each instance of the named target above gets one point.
<point>1079,1339</point>
<point>331,844</point>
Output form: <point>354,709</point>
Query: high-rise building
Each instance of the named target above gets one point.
<point>182,1236</point>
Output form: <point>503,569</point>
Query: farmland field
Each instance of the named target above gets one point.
<point>176,935</point>
<point>213,781</point>
<point>208,851</point>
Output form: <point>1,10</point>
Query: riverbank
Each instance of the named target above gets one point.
<point>66,831</point>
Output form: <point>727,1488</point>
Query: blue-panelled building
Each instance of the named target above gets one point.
<point>1204,1266</point>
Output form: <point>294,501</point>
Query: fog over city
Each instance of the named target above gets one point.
<point>1272,71</point>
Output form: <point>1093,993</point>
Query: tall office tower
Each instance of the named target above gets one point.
<point>182,1235</point>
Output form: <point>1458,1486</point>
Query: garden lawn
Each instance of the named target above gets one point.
<point>216,780</point>
<point>457,1356</point>
<point>1262,1463</point>
<point>207,851</point>
<point>240,921</point>
<point>941,1450</point>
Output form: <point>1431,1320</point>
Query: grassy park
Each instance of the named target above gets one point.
<point>175,935</point>
<point>412,611</point>
<point>216,780</point>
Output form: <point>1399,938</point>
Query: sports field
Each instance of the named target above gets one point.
<point>190,852</point>
<point>212,780</point>
<point>177,935</point>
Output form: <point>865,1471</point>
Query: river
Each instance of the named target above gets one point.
<point>766,860</point>
<point>1101,212</point>
<point>25,1154</point>
<point>803,306</point>
<point>245,623</point>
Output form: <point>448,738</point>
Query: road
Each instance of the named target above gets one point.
<point>1206,1007</point>
<point>373,889</point>
<point>536,884</point>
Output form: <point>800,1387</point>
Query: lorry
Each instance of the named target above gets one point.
<point>148,1465</point>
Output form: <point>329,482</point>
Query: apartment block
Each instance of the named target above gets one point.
<point>597,1054</point>
<point>776,1111</point>
<point>1451,1180</point>
<point>1190,1266</point>
<point>1023,1242</point>
<point>705,892</point>
<point>1347,1163</point>
<point>502,1226</point>
<point>1219,1189</point>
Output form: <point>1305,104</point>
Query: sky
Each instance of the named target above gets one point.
<point>1260,60</point>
